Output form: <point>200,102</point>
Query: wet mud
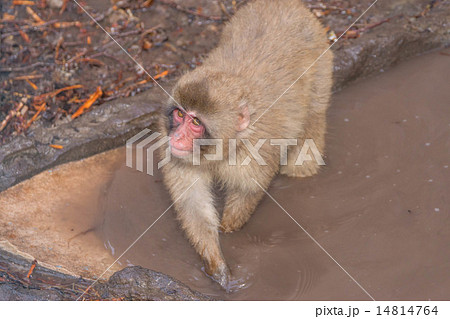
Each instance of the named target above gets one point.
<point>379,208</point>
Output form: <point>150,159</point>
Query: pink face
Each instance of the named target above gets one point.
<point>186,128</point>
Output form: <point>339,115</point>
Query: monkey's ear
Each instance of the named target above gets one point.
<point>243,118</point>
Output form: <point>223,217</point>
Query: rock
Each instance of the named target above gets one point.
<point>131,283</point>
<point>105,127</point>
<point>391,42</point>
<point>14,284</point>
<point>138,283</point>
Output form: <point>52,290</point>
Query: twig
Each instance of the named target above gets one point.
<point>33,27</point>
<point>35,16</point>
<point>98,93</point>
<point>23,3</point>
<point>33,266</point>
<point>324,7</point>
<point>23,68</point>
<point>125,34</point>
<point>161,75</point>
<point>41,108</point>
<point>224,9</point>
<point>34,86</point>
<point>56,92</point>
<point>108,56</point>
<point>28,77</point>
<point>24,36</point>
<point>376,24</point>
<point>189,11</point>
<point>357,33</point>
<point>67,24</point>
<point>63,7</point>
<point>91,61</point>
<point>77,56</point>
<point>10,115</point>
<point>58,46</point>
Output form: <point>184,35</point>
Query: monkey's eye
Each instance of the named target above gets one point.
<point>196,121</point>
<point>178,116</point>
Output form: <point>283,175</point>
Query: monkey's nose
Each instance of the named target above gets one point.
<point>177,136</point>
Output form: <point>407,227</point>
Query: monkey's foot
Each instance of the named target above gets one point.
<point>307,169</point>
<point>230,223</point>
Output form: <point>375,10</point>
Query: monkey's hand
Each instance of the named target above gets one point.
<point>220,274</point>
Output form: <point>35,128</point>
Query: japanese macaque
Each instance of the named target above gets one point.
<point>263,50</point>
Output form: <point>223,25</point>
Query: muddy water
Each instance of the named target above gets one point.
<point>380,208</point>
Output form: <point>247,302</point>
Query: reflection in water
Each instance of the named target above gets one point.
<point>380,206</point>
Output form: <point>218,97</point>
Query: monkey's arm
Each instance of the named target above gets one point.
<point>198,217</point>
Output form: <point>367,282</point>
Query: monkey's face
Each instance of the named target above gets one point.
<point>206,112</point>
<point>185,127</point>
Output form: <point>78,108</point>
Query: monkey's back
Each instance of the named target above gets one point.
<point>269,44</point>
<point>269,36</point>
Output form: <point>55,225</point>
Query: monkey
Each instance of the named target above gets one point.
<point>263,51</point>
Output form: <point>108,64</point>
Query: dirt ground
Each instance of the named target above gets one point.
<point>46,48</point>
<point>56,62</point>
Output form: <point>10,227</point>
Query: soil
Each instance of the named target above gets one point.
<point>164,40</point>
<point>379,207</point>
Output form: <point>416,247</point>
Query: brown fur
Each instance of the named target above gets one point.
<point>266,46</point>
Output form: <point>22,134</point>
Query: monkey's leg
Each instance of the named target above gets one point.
<point>239,206</point>
<point>315,129</point>
<point>199,219</point>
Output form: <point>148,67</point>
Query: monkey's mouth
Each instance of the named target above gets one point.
<point>179,153</point>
